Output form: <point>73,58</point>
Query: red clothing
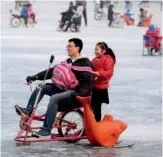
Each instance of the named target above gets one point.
<point>156,39</point>
<point>31,12</point>
<point>105,66</point>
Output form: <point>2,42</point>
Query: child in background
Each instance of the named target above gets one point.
<point>144,16</point>
<point>31,13</point>
<point>159,40</point>
<point>154,32</point>
<point>17,4</point>
<point>129,15</point>
<point>103,70</point>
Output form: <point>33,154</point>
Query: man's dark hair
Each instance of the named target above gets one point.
<point>77,42</point>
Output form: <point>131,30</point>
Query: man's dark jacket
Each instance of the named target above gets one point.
<point>86,79</point>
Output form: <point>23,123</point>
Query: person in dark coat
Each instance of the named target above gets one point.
<point>110,14</point>
<point>101,4</point>
<point>76,18</point>
<point>67,15</point>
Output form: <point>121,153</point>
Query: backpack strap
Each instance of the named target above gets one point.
<point>77,68</point>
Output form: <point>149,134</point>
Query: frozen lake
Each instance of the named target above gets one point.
<point>135,91</point>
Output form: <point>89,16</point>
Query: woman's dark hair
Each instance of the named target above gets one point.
<point>109,51</point>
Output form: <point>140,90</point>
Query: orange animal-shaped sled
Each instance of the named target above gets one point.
<point>103,133</point>
<point>147,22</point>
<point>129,21</point>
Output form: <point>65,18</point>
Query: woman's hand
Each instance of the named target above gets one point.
<point>96,78</point>
<point>96,73</point>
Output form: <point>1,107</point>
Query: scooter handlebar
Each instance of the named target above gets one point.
<point>51,59</point>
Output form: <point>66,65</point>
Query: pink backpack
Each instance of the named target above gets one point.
<point>62,75</point>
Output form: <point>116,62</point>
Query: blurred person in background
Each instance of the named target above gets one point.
<point>128,5</point>
<point>110,14</point>
<point>31,13</point>
<point>84,4</point>
<point>144,15</point>
<point>141,16</point>
<point>17,4</point>
<point>67,15</point>
<point>76,18</point>
<point>101,4</point>
<point>156,38</point>
<point>24,14</point>
<point>129,15</point>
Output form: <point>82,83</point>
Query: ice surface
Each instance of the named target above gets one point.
<point>135,89</point>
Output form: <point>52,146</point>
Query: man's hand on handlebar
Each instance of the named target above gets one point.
<point>30,79</point>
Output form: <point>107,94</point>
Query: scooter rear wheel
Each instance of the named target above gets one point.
<point>72,116</point>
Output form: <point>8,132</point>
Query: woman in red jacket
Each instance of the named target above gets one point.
<point>103,70</point>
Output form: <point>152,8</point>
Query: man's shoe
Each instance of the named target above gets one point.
<point>20,110</point>
<point>43,132</point>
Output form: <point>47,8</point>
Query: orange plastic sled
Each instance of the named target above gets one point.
<point>129,21</point>
<point>147,22</point>
<point>104,133</point>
